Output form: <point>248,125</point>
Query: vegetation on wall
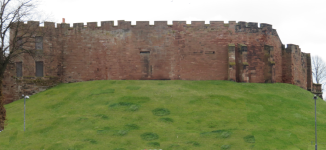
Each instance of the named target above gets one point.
<point>39,81</point>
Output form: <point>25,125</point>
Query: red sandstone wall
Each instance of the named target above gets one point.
<point>309,72</point>
<point>175,52</point>
<point>297,67</point>
<point>181,51</point>
<point>14,87</point>
<point>9,88</point>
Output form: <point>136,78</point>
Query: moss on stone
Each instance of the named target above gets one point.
<point>272,62</point>
<point>240,44</point>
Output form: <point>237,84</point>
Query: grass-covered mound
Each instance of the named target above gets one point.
<point>176,115</point>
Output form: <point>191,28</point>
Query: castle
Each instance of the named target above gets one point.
<point>241,52</point>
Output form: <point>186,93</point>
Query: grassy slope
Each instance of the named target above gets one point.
<point>206,115</point>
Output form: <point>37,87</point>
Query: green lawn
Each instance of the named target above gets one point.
<point>176,115</point>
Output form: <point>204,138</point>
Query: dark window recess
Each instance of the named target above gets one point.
<point>210,52</point>
<point>39,43</point>
<point>20,42</point>
<point>19,69</point>
<point>244,49</point>
<point>144,52</point>
<point>39,68</point>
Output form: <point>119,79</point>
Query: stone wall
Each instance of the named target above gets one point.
<point>14,87</point>
<point>297,67</point>
<point>241,52</point>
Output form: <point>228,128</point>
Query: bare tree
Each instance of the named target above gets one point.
<point>14,34</point>
<point>318,69</point>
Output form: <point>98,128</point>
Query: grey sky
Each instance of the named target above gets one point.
<point>298,22</point>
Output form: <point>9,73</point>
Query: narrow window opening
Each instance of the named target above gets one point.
<point>20,42</point>
<point>19,69</point>
<point>144,52</point>
<point>210,52</point>
<point>39,68</point>
<point>39,43</point>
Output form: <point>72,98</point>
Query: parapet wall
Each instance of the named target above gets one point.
<point>241,26</point>
<point>297,67</point>
<point>241,52</point>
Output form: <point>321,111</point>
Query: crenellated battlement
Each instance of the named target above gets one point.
<point>33,23</point>
<point>49,24</point>
<point>78,25</point>
<point>292,48</point>
<point>240,26</point>
<point>231,26</point>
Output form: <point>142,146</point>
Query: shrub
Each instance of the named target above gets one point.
<point>148,136</point>
<point>161,112</point>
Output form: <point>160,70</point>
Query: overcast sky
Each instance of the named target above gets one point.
<point>300,22</point>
